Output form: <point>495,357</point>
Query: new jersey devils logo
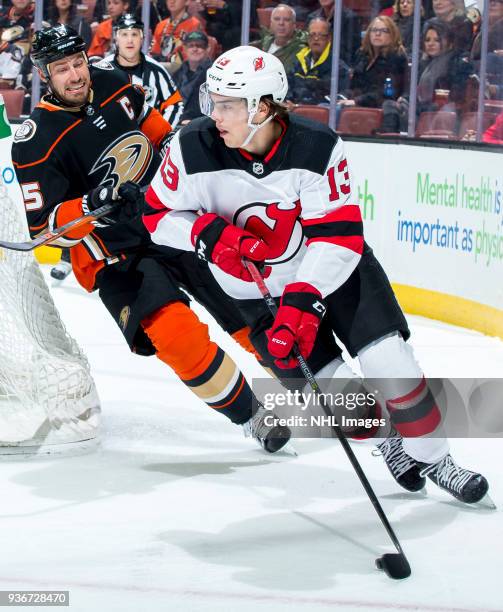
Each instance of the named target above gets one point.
<point>126,159</point>
<point>258,63</point>
<point>277,224</point>
<point>223,62</point>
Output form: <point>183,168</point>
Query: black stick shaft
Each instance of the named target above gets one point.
<point>309,376</point>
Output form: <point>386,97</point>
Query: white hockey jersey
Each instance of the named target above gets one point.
<point>298,199</point>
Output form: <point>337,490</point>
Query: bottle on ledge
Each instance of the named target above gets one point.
<point>388,90</point>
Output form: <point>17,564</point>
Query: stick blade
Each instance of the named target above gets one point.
<point>394,565</point>
<point>17,246</point>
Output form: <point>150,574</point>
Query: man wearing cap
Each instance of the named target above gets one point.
<point>160,90</point>
<point>192,73</point>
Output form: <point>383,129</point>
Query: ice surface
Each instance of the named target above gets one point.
<point>177,511</point>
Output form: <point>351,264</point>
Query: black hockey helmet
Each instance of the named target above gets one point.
<point>127,22</point>
<point>54,43</point>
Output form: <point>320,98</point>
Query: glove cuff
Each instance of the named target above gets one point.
<point>305,297</point>
<point>205,233</point>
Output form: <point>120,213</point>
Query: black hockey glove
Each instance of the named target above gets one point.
<point>128,198</point>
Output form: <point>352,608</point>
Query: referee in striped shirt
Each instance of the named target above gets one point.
<point>160,90</point>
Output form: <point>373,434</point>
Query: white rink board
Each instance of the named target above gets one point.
<point>404,190</point>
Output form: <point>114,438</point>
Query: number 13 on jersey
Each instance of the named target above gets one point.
<point>338,180</point>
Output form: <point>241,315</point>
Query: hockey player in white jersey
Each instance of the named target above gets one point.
<point>248,180</point>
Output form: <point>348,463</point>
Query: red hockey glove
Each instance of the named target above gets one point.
<point>225,245</point>
<point>299,316</point>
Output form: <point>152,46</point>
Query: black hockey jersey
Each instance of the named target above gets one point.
<point>298,198</point>
<point>61,153</point>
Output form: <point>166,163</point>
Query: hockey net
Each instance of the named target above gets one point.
<point>47,395</point>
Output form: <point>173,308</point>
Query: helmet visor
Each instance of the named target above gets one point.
<point>205,102</point>
<point>226,107</point>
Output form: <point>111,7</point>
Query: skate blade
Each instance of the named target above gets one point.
<point>289,449</point>
<point>486,502</point>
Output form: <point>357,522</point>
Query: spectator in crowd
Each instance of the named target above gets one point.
<point>453,13</point>
<point>494,133</point>
<point>350,28</point>
<point>11,57</point>
<point>192,74</point>
<point>474,15</point>
<point>283,40</point>
<point>386,7</point>
<point>100,13</point>
<point>102,40</point>
<point>158,11</point>
<point>404,18</point>
<point>427,6</point>
<point>195,9</point>
<point>223,20</point>
<point>19,13</point>
<point>309,81</point>
<point>494,74</point>
<point>65,11</point>
<point>160,90</point>
<point>303,8</point>
<point>381,57</point>
<point>442,67</point>
<point>495,40</point>
<point>170,32</point>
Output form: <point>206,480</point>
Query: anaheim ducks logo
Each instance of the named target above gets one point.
<point>126,159</point>
<point>124,317</point>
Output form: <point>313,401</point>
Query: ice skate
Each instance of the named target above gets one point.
<point>61,270</point>
<point>271,436</point>
<point>466,486</point>
<point>402,467</point>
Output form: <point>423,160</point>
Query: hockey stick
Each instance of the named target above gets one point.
<point>52,235</point>
<point>394,564</point>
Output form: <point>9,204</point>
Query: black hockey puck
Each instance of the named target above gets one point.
<point>394,565</point>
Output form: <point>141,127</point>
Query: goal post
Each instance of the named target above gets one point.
<point>48,399</point>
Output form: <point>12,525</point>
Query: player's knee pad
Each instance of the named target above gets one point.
<point>390,361</point>
<point>389,357</point>
<point>181,340</point>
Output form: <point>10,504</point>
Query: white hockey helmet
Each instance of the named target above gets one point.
<point>244,72</point>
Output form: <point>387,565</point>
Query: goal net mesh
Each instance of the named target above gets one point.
<point>47,395</point>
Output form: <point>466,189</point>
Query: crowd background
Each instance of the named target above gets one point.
<point>430,69</point>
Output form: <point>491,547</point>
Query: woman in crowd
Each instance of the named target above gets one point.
<point>495,40</point>
<point>453,14</point>
<point>65,11</point>
<point>380,73</point>
<point>442,67</point>
<point>404,18</point>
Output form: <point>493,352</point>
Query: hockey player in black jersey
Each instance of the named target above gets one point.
<point>92,140</point>
<point>249,180</point>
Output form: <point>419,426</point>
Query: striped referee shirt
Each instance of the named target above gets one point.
<point>160,90</point>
